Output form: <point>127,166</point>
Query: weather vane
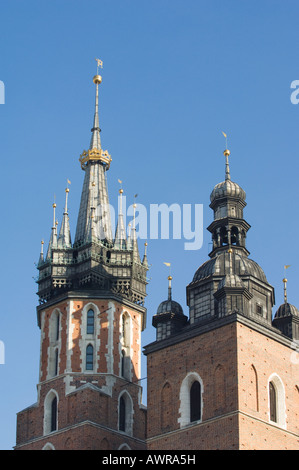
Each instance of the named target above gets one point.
<point>225,139</point>
<point>99,64</point>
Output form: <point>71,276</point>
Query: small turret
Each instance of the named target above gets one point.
<point>170,318</point>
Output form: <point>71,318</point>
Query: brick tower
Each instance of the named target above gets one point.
<point>227,377</point>
<point>91,313</point>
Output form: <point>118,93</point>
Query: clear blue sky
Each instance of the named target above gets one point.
<point>176,73</point>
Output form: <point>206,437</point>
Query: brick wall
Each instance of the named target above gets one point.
<point>235,364</point>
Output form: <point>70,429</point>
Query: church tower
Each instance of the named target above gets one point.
<point>226,376</point>
<point>91,314</point>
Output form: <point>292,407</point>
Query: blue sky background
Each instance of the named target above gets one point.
<point>176,73</point>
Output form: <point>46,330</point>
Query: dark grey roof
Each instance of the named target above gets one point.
<point>170,306</point>
<point>230,280</point>
<point>286,310</point>
<point>227,188</point>
<point>219,265</point>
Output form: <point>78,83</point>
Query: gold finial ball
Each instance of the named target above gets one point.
<point>54,205</point>
<point>226,153</point>
<point>67,190</point>
<point>230,250</point>
<point>284,280</point>
<point>42,242</point>
<point>121,191</point>
<point>97,79</point>
<point>169,278</point>
<point>145,244</point>
<point>93,183</point>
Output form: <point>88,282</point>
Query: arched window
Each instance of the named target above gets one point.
<point>277,401</point>
<point>273,402</point>
<point>234,236</point>
<point>56,361</point>
<point>48,446</point>
<point>90,322</point>
<point>89,357</point>
<point>122,414</point>
<point>195,402</point>
<point>54,414</point>
<point>191,402</point>
<point>123,359</point>
<point>51,412</point>
<point>57,327</point>
<point>54,326</point>
<point>125,342</point>
<point>125,413</point>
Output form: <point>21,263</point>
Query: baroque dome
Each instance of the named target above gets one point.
<point>170,306</point>
<point>227,188</point>
<point>286,310</point>
<point>241,266</point>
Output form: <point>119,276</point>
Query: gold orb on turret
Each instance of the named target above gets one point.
<point>97,79</point>
<point>226,153</point>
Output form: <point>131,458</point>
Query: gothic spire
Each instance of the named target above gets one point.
<point>145,261</point>
<point>136,255</point>
<point>120,242</point>
<point>41,256</point>
<point>64,239</point>
<point>53,237</point>
<point>95,141</point>
<point>94,198</point>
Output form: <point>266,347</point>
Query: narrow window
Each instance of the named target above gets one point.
<point>122,414</point>
<point>54,414</point>
<point>123,358</point>
<point>273,403</point>
<point>89,357</point>
<point>195,402</point>
<point>57,326</point>
<point>90,322</point>
<point>56,361</point>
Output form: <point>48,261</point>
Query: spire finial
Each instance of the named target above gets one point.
<point>54,218</point>
<point>285,284</point>
<point>120,241</point>
<point>95,138</point>
<point>169,280</point>
<point>134,211</point>
<point>226,154</point>
<point>144,261</point>
<point>66,197</point>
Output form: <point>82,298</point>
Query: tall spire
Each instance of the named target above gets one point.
<point>120,242</point>
<point>95,142</point>
<point>136,256</point>
<point>64,239</point>
<point>226,154</point>
<point>94,198</point>
<point>285,290</point>
<point>227,171</point>
<point>145,261</point>
<point>41,256</point>
<point>169,287</point>
<point>53,238</point>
